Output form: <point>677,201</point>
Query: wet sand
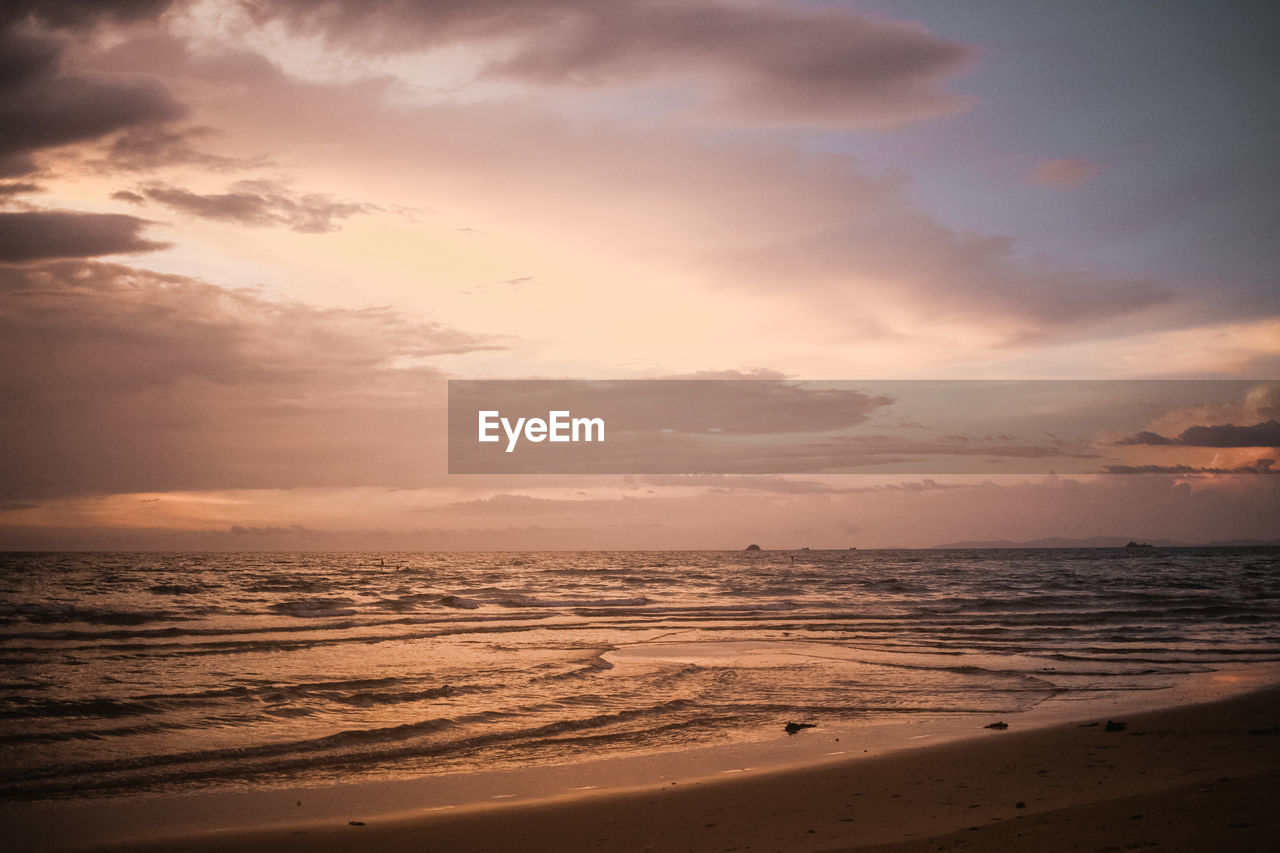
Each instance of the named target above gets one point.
<point>1191,778</point>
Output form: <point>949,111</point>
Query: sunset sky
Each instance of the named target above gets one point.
<point>243,245</point>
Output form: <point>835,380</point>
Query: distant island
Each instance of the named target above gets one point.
<point>753,547</point>
<point>1111,542</point>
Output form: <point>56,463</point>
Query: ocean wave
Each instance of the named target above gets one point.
<point>52,708</point>
<point>47,735</point>
<point>339,749</point>
<point>53,612</point>
<point>511,600</point>
<point>176,589</point>
<point>356,693</point>
<point>592,667</point>
<point>177,671</point>
<point>370,698</point>
<point>459,603</point>
<point>274,584</point>
<point>308,608</point>
<point>715,609</point>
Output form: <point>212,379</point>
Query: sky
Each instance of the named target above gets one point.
<point>244,246</point>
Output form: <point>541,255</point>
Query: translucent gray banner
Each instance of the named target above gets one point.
<point>779,426</point>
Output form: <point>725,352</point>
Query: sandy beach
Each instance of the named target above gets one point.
<point>1189,778</point>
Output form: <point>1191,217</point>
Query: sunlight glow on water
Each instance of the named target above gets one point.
<point>173,671</point>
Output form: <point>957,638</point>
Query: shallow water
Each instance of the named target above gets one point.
<point>160,672</point>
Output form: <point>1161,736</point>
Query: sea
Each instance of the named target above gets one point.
<point>136,673</point>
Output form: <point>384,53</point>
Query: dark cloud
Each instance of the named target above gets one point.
<point>1262,466</point>
<point>80,13</point>
<point>998,447</point>
<point>18,189</point>
<point>44,234</point>
<point>42,108</point>
<point>260,203</point>
<point>153,147</point>
<point>764,483</point>
<point>787,485</point>
<point>770,61</point>
<point>116,379</point>
<point>1265,434</point>
<point>129,197</point>
<point>1229,435</point>
<point>1145,437</point>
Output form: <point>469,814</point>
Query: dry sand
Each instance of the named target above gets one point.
<point>1202,777</point>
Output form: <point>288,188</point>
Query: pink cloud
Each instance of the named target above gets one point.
<point>120,379</point>
<point>1066,173</point>
<point>736,219</point>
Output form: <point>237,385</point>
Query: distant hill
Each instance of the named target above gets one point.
<point>1106,542</point>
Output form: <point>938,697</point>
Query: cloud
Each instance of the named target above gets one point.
<point>921,515</point>
<point>260,203</point>
<point>766,426</point>
<point>1065,174</point>
<point>539,513</point>
<point>1264,401</point>
<point>44,234</point>
<point>153,147</point>
<point>76,14</point>
<point>818,232</point>
<point>768,62</point>
<point>754,373</point>
<point>1266,434</point>
<point>18,189</point>
<point>1258,401</point>
<point>954,274</point>
<point>819,237</point>
<point>838,485</point>
<point>1261,466</point>
<point>890,445</point>
<point>725,406</point>
<point>1145,437</point>
<point>41,108</point>
<point>119,379</point>
<point>770,484</point>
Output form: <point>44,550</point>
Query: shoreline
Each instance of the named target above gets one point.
<point>968,783</point>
